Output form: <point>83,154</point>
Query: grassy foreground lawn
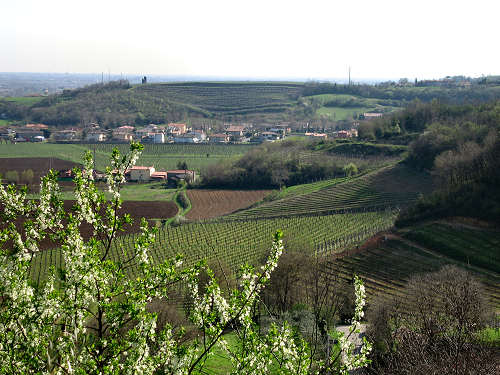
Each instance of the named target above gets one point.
<point>339,113</point>
<point>5,122</point>
<point>165,156</point>
<point>26,100</point>
<point>134,192</point>
<point>219,362</point>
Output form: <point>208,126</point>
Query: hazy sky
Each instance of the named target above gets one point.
<point>252,38</point>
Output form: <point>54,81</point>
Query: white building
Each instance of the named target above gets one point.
<point>95,137</point>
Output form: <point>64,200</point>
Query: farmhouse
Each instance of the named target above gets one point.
<point>139,173</point>
<point>144,174</point>
<point>181,174</point>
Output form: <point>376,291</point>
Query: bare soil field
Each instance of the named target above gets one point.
<point>39,166</point>
<point>207,204</point>
<point>136,209</point>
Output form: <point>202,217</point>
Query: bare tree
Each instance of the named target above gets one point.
<point>433,330</point>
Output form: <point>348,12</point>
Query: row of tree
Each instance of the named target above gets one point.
<point>278,164</point>
<point>26,177</point>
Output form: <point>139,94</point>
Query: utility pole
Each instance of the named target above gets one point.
<point>349,76</point>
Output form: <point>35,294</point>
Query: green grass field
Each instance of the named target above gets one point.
<point>132,192</point>
<point>164,156</point>
<point>5,122</point>
<point>339,113</point>
<point>26,100</point>
<point>346,107</point>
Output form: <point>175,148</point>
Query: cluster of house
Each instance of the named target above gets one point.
<point>171,133</point>
<point>27,133</point>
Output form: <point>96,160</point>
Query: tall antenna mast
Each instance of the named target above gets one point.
<point>349,75</point>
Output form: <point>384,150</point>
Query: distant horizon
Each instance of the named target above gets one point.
<point>193,78</point>
<point>258,40</point>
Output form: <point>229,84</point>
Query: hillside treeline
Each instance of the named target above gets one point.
<point>269,166</point>
<point>469,184</point>
<point>419,117</point>
<point>460,146</point>
<point>453,95</point>
<point>110,105</point>
<point>297,161</point>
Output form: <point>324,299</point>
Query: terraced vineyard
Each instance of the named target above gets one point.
<point>235,243</point>
<point>389,187</point>
<point>386,268</point>
<point>228,98</point>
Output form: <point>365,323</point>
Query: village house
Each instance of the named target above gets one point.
<point>126,128</point>
<point>176,129</point>
<point>235,131</point>
<point>146,131</point>
<point>372,115</point>
<point>316,135</point>
<point>119,135</point>
<point>37,126</point>
<point>29,135</point>
<point>219,138</point>
<point>155,138</point>
<point>269,136</point>
<point>95,136</point>
<point>200,134</point>
<point>281,129</point>
<point>343,134</point>
<point>64,135</point>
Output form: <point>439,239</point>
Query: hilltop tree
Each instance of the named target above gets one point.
<point>12,176</point>
<point>182,165</point>
<point>27,176</point>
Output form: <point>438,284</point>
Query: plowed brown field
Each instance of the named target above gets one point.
<point>136,209</point>
<point>39,166</point>
<point>207,204</point>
